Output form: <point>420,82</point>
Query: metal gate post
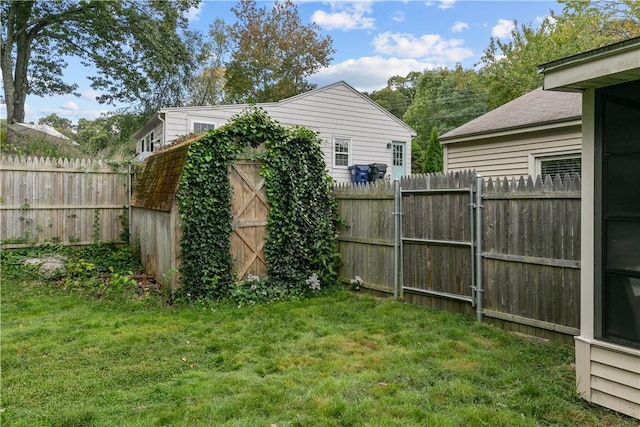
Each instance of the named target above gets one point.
<point>129,217</point>
<point>397,212</point>
<point>478,230</point>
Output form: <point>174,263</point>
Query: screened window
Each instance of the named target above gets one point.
<point>560,165</point>
<point>618,263</point>
<point>341,151</point>
<point>199,127</point>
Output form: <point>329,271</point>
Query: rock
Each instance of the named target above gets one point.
<point>48,265</point>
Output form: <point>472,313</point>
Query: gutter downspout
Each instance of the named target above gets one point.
<point>164,127</point>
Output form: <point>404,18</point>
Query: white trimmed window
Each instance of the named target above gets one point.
<point>341,151</point>
<point>201,126</point>
<point>555,163</point>
<point>560,165</point>
<point>146,143</point>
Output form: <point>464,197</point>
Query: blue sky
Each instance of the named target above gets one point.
<point>374,40</point>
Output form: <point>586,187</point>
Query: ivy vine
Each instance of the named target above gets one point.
<point>302,212</point>
<point>300,248</point>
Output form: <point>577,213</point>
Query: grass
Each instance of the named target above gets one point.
<point>342,359</point>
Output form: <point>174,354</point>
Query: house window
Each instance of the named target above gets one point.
<point>555,163</point>
<point>561,165</point>
<point>200,127</point>
<point>341,151</point>
<point>146,143</point>
<point>398,154</point>
<point>618,228</point>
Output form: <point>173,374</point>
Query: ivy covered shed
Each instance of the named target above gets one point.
<point>200,209</point>
<point>156,219</point>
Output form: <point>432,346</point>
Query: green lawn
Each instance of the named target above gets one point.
<point>341,359</point>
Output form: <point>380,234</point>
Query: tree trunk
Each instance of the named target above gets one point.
<point>15,81</point>
<point>21,82</point>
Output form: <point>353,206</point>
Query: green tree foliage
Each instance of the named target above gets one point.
<point>398,94</point>
<point>510,68</point>
<point>108,136</point>
<point>433,161</point>
<point>445,99</point>
<point>134,45</point>
<point>61,124</point>
<point>207,87</point>
<point>56,121</point>
<point>274,53</point>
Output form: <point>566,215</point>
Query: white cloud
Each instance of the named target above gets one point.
<point>346,16</point>
<point>398,17</point>
<point>502,29</point>
<point>70,106</point>
<point>458,26</point>
<point>446,4</point>
<point>368,73</point>
<point>90,94</point>
<point>193,14</point>
<point>428,47</point>
<point>65,112</point>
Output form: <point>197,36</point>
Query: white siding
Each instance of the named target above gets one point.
<point>332,111</point>
<point>337,111</point>
<point>509,156</point>
<point>609,375</point>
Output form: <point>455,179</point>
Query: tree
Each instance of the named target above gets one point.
<point>398,94</point>
<point>207,88</point>
<point>444,99</point>
<point>61,124</point>
<point>56,121</point>
<point>109,135</point>
<point>433,161</point>
<point>274,53</point>
<point>510,68</point>
<point>134,45</point>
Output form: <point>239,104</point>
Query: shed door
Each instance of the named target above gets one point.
<point>398,161</point>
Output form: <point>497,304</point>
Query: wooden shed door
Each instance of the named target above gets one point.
<point>249,209</point>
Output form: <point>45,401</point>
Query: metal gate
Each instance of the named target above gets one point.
<point>437,248</point>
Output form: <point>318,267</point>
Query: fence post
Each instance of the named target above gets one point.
<point>397,238</point>
<point>478,230</point>
<point>129,183</point>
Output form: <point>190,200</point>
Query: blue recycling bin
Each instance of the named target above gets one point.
<point>359,174</point>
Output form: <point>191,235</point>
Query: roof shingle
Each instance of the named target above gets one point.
<point>534,108</point>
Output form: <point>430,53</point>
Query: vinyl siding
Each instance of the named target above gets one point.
<point>334,111</point>
<point>510,156</point>
<point>615,380</point>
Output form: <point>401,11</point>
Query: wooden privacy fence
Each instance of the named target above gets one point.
<point>61,201</point>
<point>529,248</point>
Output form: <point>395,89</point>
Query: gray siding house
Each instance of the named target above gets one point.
<point>538,133</point>
<point>354,129</point>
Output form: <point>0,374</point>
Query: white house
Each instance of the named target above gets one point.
<point>608,347</point>
<point>538,133</point>
<point>354,129</point>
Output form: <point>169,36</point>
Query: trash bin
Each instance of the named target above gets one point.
<point>359,174</point>
<point>377,171</point>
